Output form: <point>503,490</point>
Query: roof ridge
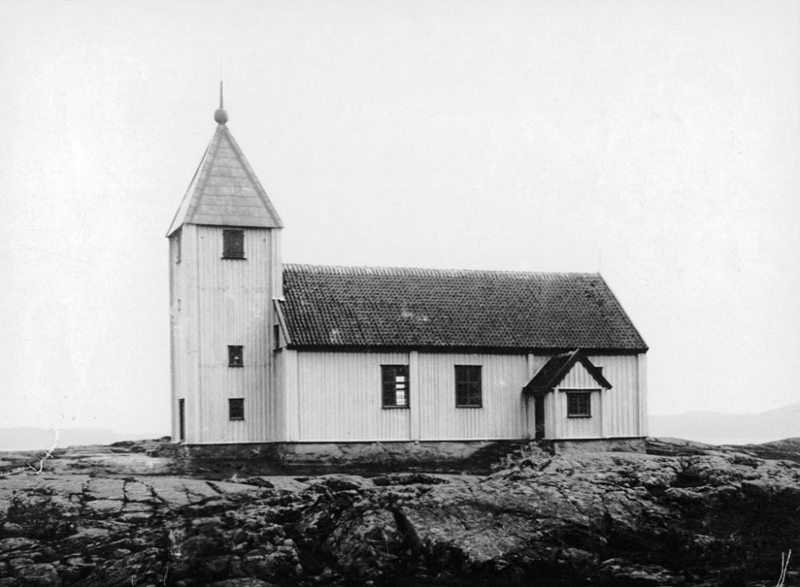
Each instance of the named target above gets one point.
<point>205,168</point>
<point>426,271</point>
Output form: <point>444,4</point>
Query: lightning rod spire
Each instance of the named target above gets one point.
<point>220,116</point>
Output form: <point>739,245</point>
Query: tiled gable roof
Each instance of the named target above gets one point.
<point>557,367</point>
<point>225,191</point>
<point>358,307</point>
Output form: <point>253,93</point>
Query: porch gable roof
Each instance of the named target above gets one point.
<point>557,367</point>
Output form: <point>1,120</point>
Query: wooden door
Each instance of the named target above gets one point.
<point>181,420</point>
<point>538,417</point>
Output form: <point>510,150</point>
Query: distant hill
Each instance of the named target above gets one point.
<point>719,428</point>
<point>31,438</point>
<point>710,427</point>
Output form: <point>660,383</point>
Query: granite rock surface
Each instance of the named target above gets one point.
<point>685,514</point>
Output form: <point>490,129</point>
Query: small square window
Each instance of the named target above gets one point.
<point>235,356</point>
<point>395,386</point>
<point>236,409</point>
<point>233,244</point>
<point>469,392</point>
<point>579,404</point>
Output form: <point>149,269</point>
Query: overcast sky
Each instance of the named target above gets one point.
<point>657,142</point>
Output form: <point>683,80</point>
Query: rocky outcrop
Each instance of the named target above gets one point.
<point>618,518</point>
<point>689,515</point>
<point>101,531</point>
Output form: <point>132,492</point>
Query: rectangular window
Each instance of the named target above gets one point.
<point>236,409</point>
<point>233,244</point>
<point>469,393</point>
<point>579,404</point>
<point>395,386</point>
<point>235,356</point>
<point>177,239</point>
<point>276,335</point>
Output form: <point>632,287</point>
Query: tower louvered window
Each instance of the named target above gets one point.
<point>235,356</point>
<point>233,244</point>
<point>236,409</point>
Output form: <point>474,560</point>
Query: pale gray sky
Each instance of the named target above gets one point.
<point>657,142</point>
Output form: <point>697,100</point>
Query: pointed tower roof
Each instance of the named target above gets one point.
<point>224,190</point>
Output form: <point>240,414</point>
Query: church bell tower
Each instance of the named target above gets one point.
<point>225,271</point>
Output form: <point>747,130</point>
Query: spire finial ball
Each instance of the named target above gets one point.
<point>220,116</point>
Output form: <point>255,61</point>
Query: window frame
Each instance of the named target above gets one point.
<point>233,244</point>
<point>236,409</point>
<point>466,376</point>
<point>235,356</point>
<point>276,336</point>
<point>177,252</point>
<point>389,387</point>
<point>584,395</point>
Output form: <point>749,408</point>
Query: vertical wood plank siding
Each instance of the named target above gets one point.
<point>336,396</point>
<point>580,379</point>
<point>644,420</point>
<point>290,396</point>
<point>502,414</point>
<point>182,333</point>
<point>622,403</point>
<point>340,398</point>
<point>224,302</point>
<point>277,416</point>
<point>616,412</point>
<point>174,284</point>
<point>277,265</point>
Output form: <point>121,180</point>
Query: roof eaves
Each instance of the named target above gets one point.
<point>594,371</point>
<point>180,213</point>
<point>551,373</point>
<point>534,386</point>
<point>185,212</point>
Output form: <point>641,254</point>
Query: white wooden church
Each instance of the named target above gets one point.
<point>265,352</point>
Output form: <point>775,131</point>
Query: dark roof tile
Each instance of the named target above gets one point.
<point>434,308</point>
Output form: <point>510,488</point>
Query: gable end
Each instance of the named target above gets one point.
<point>558,367</point>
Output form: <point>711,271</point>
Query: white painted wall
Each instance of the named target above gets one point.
<point>215,303</point>
<point>339,398</point>
<point>616,412</point>
<point>503,412</point>
<point>336,396</point>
